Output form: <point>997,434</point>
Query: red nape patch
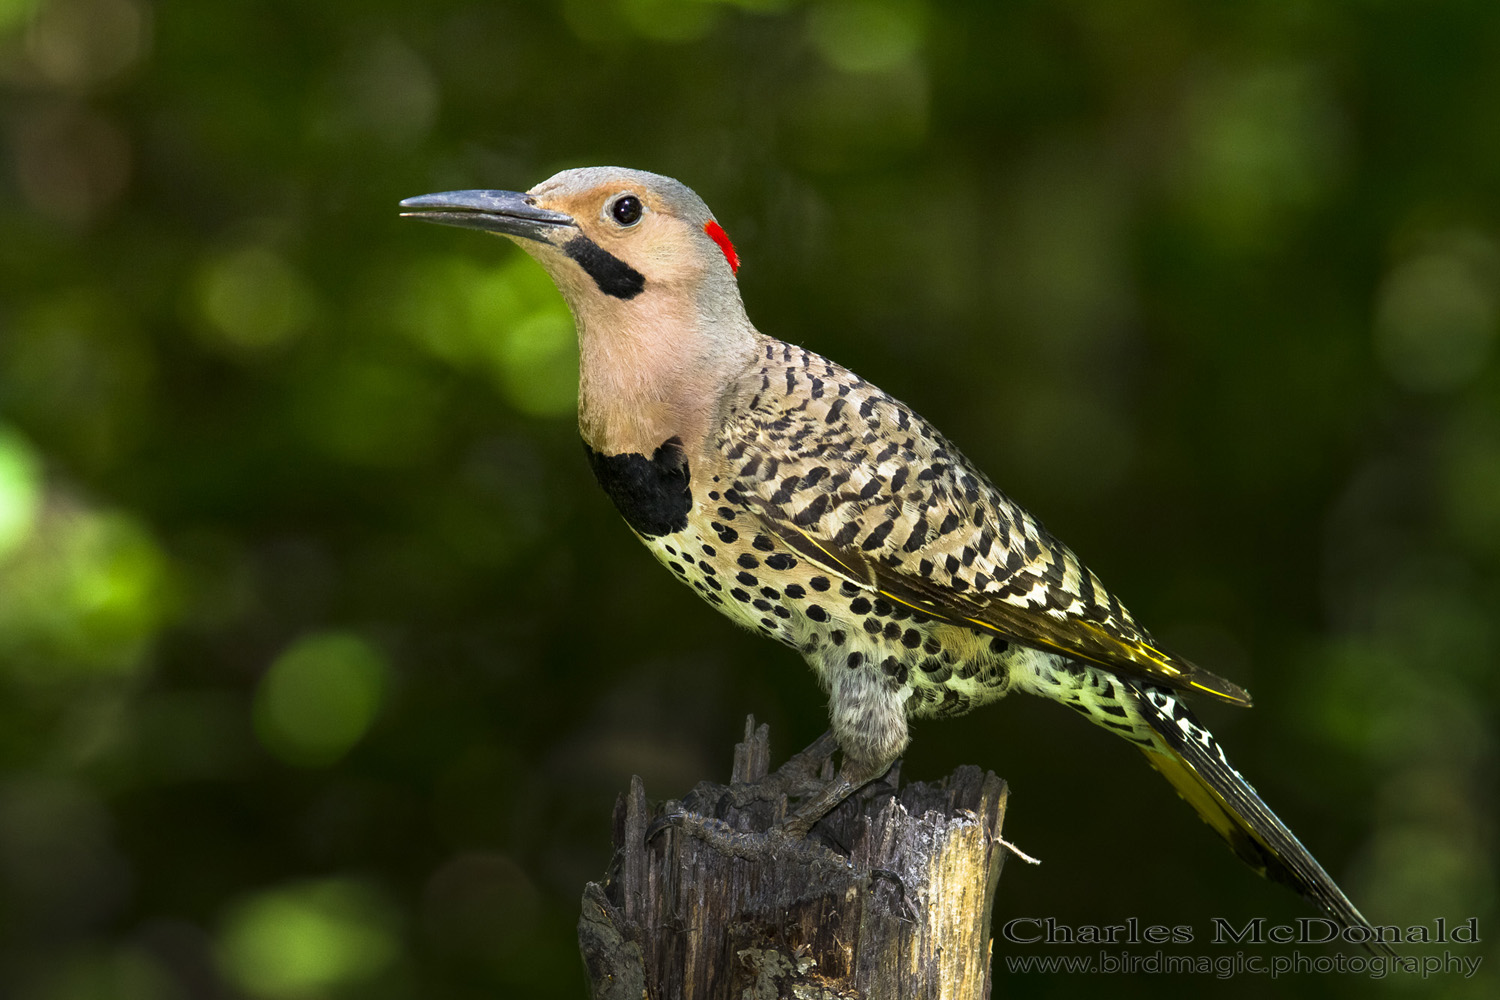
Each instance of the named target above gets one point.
<point>717,234</point>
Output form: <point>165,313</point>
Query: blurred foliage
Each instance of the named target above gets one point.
<point>321,657</point>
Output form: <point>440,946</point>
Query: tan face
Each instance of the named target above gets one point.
<point>603,231</point>
<point>638,227</point>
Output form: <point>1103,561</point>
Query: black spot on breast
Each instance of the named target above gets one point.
<point>650,493</point>
<point>610,273</point>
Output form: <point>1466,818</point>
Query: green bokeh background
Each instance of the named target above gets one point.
<point>322,659</point>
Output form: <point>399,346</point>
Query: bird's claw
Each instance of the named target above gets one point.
<point>670,818</point>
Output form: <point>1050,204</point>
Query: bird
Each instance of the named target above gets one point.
<point>810,506</point>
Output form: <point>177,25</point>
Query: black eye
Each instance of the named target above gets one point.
<point>626,210</point>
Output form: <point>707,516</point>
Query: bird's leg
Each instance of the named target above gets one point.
<point>802,777</point>
<point>853,774</point>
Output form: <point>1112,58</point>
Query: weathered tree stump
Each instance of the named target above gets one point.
<point>901,911</point>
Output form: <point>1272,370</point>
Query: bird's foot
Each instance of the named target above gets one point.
<point>804,774</point>
<point>783,842</point>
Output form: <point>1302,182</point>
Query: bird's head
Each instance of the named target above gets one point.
<point>615,241</point>
<point>650,278</point>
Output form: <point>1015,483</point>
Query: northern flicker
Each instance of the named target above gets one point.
<point>808,505</point>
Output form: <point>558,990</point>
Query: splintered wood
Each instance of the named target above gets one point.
<point>899,908</point>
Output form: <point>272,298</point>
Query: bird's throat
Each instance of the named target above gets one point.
<point>642,383</point>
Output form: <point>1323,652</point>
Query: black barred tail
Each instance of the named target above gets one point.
<point>1192,760</point>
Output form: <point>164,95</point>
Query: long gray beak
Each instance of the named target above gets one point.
<point>510,213</point>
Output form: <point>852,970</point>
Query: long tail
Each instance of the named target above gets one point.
<point>1191,759</point>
